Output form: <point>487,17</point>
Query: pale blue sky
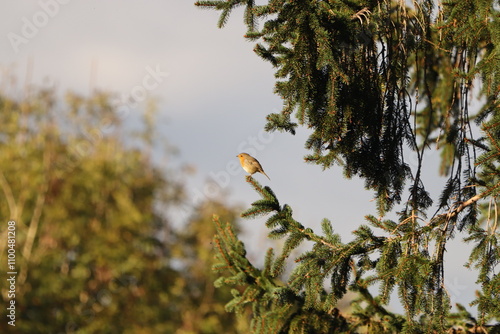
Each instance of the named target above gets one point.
<point>212,103</point>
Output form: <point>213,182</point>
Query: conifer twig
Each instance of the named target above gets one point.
<point>363,13</point>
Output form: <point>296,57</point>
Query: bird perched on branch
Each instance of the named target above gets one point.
<point>250,164</point>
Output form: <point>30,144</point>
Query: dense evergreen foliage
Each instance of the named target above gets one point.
<point>378,81</point>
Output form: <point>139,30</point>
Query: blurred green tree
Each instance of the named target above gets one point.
<point>95,253</point>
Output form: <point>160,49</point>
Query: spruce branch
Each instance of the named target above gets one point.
<point>459,207</point>
<point>400,262</point>
<point>362,14</point>
<point>350,71</point>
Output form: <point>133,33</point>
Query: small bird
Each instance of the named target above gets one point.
<point>250,164</point>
